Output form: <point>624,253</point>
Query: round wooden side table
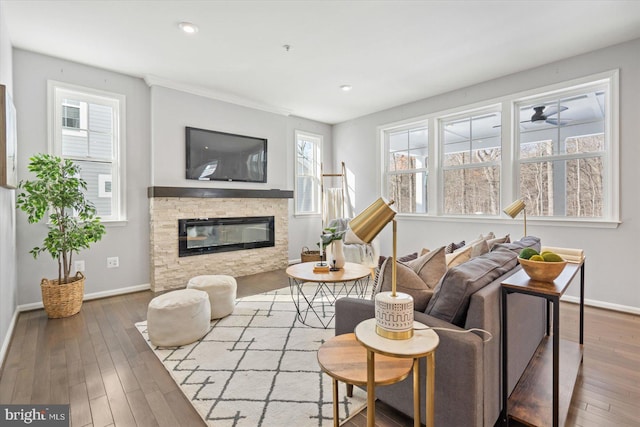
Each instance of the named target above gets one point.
<point>344,359</point>
<point>423,344</point>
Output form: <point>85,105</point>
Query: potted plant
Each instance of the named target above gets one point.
<point>328,237</point>
<point>59,192</point>
<point>329,234</point>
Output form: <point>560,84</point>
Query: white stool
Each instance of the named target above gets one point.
<point>178,317</point>
<point>222,293</point>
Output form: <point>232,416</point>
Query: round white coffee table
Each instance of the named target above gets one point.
<point>317,292</point>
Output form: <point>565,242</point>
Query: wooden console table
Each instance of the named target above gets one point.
<point>529,402</point>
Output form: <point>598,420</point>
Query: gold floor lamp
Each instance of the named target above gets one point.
<point>515,208</point>
<point>394,310</point>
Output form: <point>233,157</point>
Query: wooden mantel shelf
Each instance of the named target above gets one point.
<point>220,193</point>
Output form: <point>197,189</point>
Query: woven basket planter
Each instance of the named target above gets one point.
<point>309,256</point>
<point>62,300</point>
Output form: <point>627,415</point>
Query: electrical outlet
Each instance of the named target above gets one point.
<point>113,262</point>
<point>79,266</point>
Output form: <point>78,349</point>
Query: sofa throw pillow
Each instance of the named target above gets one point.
<point>450,300</point>
<point>376,280</point>
<point>431,266</point>
<point>470,243</point>
<point>495,241</point>
<point>479,248</point>
<point>381,260</point>
<point>518,245</point>
<point>458,257</point>
<point>478,245</point>
<point>407,281</point>
<point>403,258</point>
<point>452,247</point>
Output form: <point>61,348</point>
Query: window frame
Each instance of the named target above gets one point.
<point>56,92</point>
<point>492,108</point>
<point>509,165</point>
<point>318,141</point>
<point>384,161</point>
<point>609,157</point>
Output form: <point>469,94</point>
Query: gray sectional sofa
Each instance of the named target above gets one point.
<point>467,379</point>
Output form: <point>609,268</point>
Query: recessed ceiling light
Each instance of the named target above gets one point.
<point>188,27</point>
<point>346,88</point>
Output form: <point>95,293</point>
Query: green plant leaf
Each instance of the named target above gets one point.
<point>59,192</point>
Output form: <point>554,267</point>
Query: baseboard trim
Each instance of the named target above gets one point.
<point>7,338</point>
<point>601,304</point>
<point>93,295</point>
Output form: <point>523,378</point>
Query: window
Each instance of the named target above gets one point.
<point>406,159</point>
<point>471,152</point>
<point>556,147</point>
<point>563,147</point>
<point>307,173</point>
<point>70,116</point>
<point>87,127</point>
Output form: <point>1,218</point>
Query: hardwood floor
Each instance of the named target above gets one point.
<point>98,362</point>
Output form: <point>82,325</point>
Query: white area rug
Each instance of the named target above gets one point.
<point>258,367</point>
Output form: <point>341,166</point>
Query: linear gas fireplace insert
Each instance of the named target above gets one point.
<point>199,236</point>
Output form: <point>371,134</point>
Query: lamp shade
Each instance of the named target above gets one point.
<point>515,208</point>
<point>370,222</point>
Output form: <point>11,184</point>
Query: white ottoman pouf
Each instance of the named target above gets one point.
<point>222,293</point>
<point>178,317</point>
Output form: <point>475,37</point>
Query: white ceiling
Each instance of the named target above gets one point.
<point>391,52</point>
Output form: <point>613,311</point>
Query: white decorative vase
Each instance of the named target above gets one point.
<point>337,254</point>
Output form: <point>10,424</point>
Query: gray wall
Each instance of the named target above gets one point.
<point>612,252</point>
<point>8,265</point>
<point>305,230</point>
<point>158,114</point>
<point>130,241</point>
<point>172,110</point>
<point>161,114</point>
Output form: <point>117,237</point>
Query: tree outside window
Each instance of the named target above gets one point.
<point>407,157</point>
<point>471,147</point>
<point>307,173</point>
<point>556,147</point>
<point>562,153</point>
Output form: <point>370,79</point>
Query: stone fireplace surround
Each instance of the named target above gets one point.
<point>168,204</point>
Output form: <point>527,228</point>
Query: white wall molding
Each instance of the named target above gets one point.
<point>601,304</point>
<point>94,295</point>
<point>7,339</point>
<point>151,80</point>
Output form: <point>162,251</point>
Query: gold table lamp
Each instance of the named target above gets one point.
<point>394,311</point>
<point>515,208</point>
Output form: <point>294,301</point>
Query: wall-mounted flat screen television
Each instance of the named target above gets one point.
<point>220,156</point>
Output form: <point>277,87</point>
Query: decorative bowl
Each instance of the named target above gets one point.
<point>542,271</point>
